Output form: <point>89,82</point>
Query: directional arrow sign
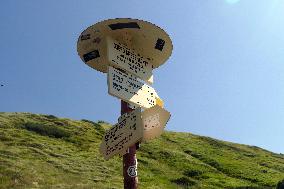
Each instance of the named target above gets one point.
<point>122,135</point>
<point>126,87</point>
<point>121,56</point>
<point>154,120</point>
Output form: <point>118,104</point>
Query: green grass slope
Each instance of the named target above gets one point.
<point>43,151</point>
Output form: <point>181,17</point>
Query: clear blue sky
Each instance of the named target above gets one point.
<point>225,78</point>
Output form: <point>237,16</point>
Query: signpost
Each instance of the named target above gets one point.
<point>128,50</point>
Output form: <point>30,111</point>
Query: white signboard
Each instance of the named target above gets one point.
<point>154,120</point>
<point>126,87</point>
<point>122,135</point>
<point>121,56</point>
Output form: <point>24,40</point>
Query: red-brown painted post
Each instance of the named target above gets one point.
<point>129,159</point>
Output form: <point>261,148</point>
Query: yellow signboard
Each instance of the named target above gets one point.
<point>150,124</point>
<point>121,56</point>
<point>125,86</point>
<point>122,135</point>
<point>154,120</point>
<point>147,39</point>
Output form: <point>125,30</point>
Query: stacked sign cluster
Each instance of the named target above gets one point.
<point>122,49</point>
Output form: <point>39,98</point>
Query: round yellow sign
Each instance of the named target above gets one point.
<point>145,38</point>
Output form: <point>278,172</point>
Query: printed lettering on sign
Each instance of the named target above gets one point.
<point>151,122</point>
<point>85,37</point>
<point>121,56</point>
<point>122,135</point>
<point>126,87</point>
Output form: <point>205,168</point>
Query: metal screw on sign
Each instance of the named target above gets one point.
<point>128,50</point>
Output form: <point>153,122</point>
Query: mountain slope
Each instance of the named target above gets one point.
<point>43,151</point>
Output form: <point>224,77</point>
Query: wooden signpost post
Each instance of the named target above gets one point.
<point>128,50</point>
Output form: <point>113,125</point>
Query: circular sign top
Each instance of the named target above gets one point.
<point>145,38</point>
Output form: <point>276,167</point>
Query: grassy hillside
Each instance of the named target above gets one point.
<point>43,151</point>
